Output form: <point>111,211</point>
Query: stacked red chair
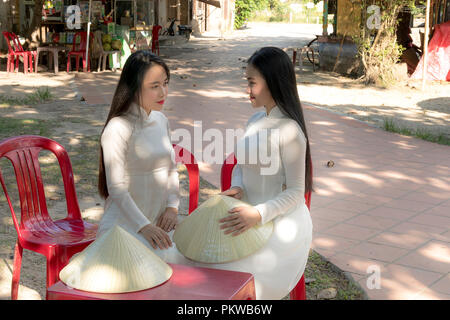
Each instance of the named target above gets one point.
<point>79,51</point>
<point>15,51</point>
<point>155,38</point>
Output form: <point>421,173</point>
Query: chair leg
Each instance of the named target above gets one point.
<point>299,292</point>
<point>8,63</point>
<point>18,250</point>
<point>25,64</point>
<point>77,64</point>
<point>105,57</point>
<point>30,62</point>
<point>68,63</point>
<point>52,267</point>
<point>99,62</point>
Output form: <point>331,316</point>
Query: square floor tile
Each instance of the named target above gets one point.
<point>376,251</point>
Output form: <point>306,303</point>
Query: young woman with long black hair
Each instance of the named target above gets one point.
<point>137,172</point>
<point>278,195</point>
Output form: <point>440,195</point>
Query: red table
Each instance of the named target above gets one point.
<point>186,283</point>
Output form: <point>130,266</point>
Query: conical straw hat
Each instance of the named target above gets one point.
<point>116,262</point>
<point>199,237</point>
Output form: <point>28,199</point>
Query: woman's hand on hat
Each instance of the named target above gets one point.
<point>156,236</point>
<point>239,220</point>
<point>168,219</point>
<point>235,192</point>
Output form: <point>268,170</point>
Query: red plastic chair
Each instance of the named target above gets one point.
<point>155,38</point>
<point>57,240</point>
<point>79,50</point>
<point>299,292</point>
<point>185,157</point>
<point>15,51</point>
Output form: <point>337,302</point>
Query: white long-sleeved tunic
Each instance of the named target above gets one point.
<point>271,172</point>
<point>141,173</point>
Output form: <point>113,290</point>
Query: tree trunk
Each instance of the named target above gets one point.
<point>35,22</point>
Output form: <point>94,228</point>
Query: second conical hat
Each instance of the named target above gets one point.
<point>116,262</point>
<point>199,237</point>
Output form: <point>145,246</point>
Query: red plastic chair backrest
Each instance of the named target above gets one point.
<point>155,32</point>
<point>185,157</point>
<point>227,170</point>
<point>11,37</point>
<point>83,40</point>
<point>23,152</point>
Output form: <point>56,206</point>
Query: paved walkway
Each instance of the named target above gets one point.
<point>384,207</point>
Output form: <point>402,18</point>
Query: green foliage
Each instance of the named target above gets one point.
<point>244,8</point>
<point>280,11</point>
<point>378,49</point>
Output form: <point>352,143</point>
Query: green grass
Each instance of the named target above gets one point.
<point>325,276</point>
<point>10,127</point>
<point>40,95</point>
<point>391,126</point>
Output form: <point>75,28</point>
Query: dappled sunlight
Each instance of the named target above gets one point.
<point>352,164</point>
<point>406,287</point>
<point>398,176</point>
<point>325,242</point>
<point>437,251</point>
<point>374,182</point>
<point>218,94</point>
<point>323,123</point>
<point>25,292</point>
<point>403,145</point>
<point>438,183</point>
<point>327,186</point>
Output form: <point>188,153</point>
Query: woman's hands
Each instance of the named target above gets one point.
<point>156,236</point>
<point>235,192</point>
<point>168,219</point>
<point>240,220</point>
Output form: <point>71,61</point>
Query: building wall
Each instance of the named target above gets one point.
<point>212,19</point>
<point>348,17</point>
<point>162,13</point>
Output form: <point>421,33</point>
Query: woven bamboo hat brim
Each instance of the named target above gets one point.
<point>116,262</point>
<point>199,237</point>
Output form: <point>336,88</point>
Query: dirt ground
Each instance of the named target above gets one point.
<point>77,127</point>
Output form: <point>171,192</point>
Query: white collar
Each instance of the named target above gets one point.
<point>139,112</point>
<point>275,112</point>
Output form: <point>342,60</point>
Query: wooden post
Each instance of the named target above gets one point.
<point>325,18</point>
<point>425,45</point>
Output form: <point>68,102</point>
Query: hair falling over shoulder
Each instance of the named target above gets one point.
<point>278,71</point>
<point>127,92</point>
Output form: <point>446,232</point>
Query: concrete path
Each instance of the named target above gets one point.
<point>381,213</point>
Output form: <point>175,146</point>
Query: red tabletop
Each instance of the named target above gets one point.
<point>186,283</point>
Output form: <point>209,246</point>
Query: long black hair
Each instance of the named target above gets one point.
<point>127,91</point>
<point>278,71</point>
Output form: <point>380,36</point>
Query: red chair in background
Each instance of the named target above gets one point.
<point>15,51</point>
<point>299,292</point>
<point>185,157</point>
<point>57,240</point>
<point>155,38</point>
<point>79,50</point>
